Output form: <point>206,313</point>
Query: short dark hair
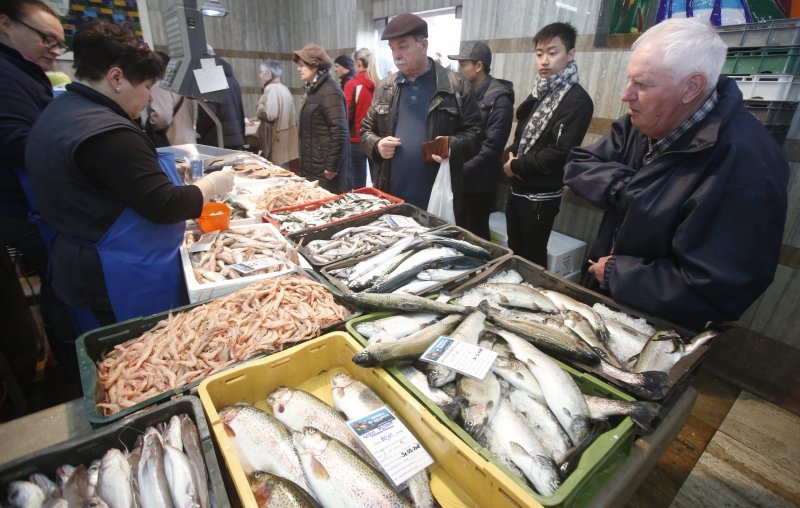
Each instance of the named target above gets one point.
<point>487,67</point>
<point>99,45</point>
<point>563,31</point>
<point>15,9</point>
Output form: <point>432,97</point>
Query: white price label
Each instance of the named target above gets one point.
<point>400,221</point>
<point>391,444</point>
<point>204,243</point>
<point>257,264</point>
<point>468,359</point>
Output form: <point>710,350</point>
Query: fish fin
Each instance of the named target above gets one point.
<point>644,414</point>
<point>319,470</point>
<point>517,448</point>
<point>653,384</point>
<point>461,401</point>
<point>489,405</point>
<point>633,359</point>
<point>228,430</point>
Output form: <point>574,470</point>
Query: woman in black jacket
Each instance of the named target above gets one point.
<point>323,122</point>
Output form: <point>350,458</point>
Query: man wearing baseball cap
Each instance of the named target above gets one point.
<point>496,103</point>
<point>421,102</point>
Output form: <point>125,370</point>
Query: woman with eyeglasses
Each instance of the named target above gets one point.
<point>119,218</point>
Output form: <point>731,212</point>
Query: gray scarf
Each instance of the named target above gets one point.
<point>549,91</point>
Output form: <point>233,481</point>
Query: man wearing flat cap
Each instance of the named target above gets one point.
<point>495,99</point>
<point>421,102</point>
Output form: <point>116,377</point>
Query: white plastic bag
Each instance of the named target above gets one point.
<point>441,201</point>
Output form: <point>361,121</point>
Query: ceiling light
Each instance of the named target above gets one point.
<point>213,8</point>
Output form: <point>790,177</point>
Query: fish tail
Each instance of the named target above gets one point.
<point>644,414</point>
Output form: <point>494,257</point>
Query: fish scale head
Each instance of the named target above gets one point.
<point>341,380</point>
<point>279,398</point>
<point>309,441</point>
<point>475,419</point>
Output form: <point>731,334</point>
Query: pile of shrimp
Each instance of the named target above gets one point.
<point>291,194</point>
<point>261,318</point>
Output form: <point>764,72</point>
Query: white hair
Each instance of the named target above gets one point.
<point>686,46</point>
<point>273,67</point>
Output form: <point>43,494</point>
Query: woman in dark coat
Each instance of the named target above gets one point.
<point>323,122</point>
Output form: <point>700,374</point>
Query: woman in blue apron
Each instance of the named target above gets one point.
<point>118,218</point>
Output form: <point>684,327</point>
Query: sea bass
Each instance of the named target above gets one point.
<point>401,302</point>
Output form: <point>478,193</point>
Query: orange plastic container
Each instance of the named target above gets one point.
<point>212,220</point>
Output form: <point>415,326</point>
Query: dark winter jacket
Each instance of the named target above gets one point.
<point>542,167</point>
<point>695,234</point>
<point>24,93</point>
<point>230,112</point>
<point>453,112</point>
<point>323,130</point>
<point>496,103</point>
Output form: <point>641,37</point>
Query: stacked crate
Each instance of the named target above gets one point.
<point>764,60</point>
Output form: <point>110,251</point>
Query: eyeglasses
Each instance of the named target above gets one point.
<point>48,40</point>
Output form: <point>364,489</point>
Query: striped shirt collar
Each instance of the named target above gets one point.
<point>656,148</point>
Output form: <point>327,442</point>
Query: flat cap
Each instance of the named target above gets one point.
<point>403,25</point>
<point>313,55</point>
<point>476,51</point>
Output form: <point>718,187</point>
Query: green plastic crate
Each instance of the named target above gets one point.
<point>769,60</point>
<point>596,466</point>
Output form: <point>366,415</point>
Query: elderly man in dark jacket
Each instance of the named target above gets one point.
<point>417,104</point>
<point>693,187</point>
<point>230,112</point>
<point>496,103</point>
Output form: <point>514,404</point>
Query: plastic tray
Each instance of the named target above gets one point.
<point>201,292</point>
<point>424,218</point>
<point>498,252</point>
<point>535,275</point>
<point>91,345</point>
<point>769,87</point>
<point>313,205</point>
<point>120,435</point>
<point>768,60</point>
<point>778,132</point>
<point>459,476</point>
<point>772,112</point>
<point>598,462</point>
<point>779,32</point>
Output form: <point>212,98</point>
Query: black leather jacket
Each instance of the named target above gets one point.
<point>453,112</point>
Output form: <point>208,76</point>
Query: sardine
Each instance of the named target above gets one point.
<point>563,396</point>
<point>339,476</point>
<point>404,303</point>
<point>479,401</point>
<point>509,434</point>
<point>298,409</point>
<point>544,423</point>
<point>262,443</point>
<point>114,480</point>
<point>444,401</point>
<point>409,348</point>
<point>274,491</point>
<point>179,474</point>
<point>468,332</point>
<point>194,452</point>
<point>641,412</point>
<point>22,494</point>
<point>153,484</point>
<point>547,338</point>
<point>395,327</point>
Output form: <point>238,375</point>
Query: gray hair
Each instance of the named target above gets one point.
<point>687,46</point>
<point>273,67</point>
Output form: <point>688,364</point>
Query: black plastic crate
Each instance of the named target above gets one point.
<point>121,435</point>
<point>779,132</point>
<point>772,112</point>
<point>424,218</point>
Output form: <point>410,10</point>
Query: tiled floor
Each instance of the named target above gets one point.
<point>735,450</point>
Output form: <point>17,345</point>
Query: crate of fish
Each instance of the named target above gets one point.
<point>225,261</point>
<point>131,365</point>
<point>363,235</point>
<point>294,219</point>
<point>277,432</point>
<point>558,432</point>
<point>646,356</point>
<point>160,457</point>
<point>419,264</point>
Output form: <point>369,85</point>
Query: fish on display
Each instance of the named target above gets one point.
<point>547,338</point>
<point>409,276</point>
<point>443,400</point>
<point>368,270</point>
<point>516,295</point>
<point>665,348</point>
<point>467,332</point>
<point>510,436</point>
<point>49,487</point>
<point>544,422</point>
<point>647,385</point>
<point>625,341</point>
<point>114,480</point>
<point>22,494</point>
<point>298,409</point>
<point>564,302</point>
<point>409,348</point>
<point>262,443</point>
<point>395,327</point>
<point>153,483</point>
<point>578,324</point>
<point>440,274</point>
<point>462,246</point>
<point>194,452</point>
<point>271,491</point>
<point>479,401</point>
<point>641,412</point>
<point>339,477</point>
<point>78,488</point>
<point>179,474</point>
<point>404,303</point>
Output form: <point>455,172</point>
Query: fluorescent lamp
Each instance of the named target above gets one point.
<point>214,9</point>
<point>568,7</point>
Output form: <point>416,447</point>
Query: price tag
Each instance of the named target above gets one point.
<point>391,444</point>
<point>468,359</point>
<point>204,243</point>
<point>400,221</point>
<point>249,267</point>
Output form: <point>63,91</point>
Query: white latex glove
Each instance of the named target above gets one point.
<point>217,183</point>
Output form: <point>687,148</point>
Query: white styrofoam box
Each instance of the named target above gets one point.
<point>769,87</point>
<point>573,277</point>
<point>200,292</point>
<point>498,232</point>
<point>564,254</point>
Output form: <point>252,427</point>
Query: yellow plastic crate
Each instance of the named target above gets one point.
<point>459,477</point>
